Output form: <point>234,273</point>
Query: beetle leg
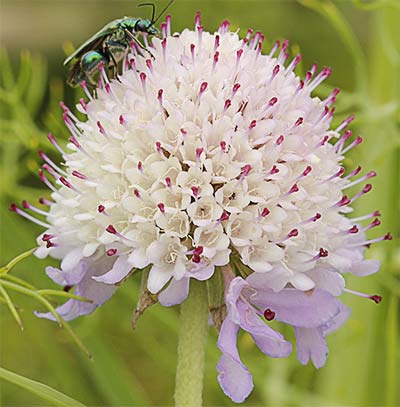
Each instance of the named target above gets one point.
<point>111,55</point>
<point>133,38</point>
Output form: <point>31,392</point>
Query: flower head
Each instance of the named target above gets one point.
<point>206,152</point>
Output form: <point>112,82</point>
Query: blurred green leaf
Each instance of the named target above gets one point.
<point>40,389</point>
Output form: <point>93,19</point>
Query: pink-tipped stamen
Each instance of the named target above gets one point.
<point>55,144</point>
<point>325,73</point>
<point>275,72</point>
<point>66,183</point>
<point>14,208</point>
<point>45,158</point>
<point>345,123</point>
<point>366,217</point>
<point>86,90</point>
<point>274,48</point>
<point>371,174</point>
<point>46,181</point>
<point>44,201</point>
<point>293,64</point>
<point>375,298</point>
<point>388,236</point>
<point>364,191</point>
<point>27,205</point>
<point>168,21</point>
<point>111,229</point>
<point>376,222</point>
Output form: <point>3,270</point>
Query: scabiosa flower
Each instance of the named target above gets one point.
<point>207,153</point>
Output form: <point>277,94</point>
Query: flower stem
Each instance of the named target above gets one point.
<point>193,328</point>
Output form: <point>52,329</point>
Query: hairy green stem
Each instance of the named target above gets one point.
<point>193,328</point>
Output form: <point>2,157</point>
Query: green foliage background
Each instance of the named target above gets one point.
<point>360,40</point>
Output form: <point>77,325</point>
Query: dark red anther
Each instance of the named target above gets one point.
<point>216,56</point>
<point>216,42</point>
<point>367,188</point>
<point>199,151</point>
<point>83,104</point>
<point>68,288</point>
<point>344,201</point>
<point>227,104</point>
<point>316,217</point>
<point>195,191</point>
<point>307,170</point>
<point>375,222</point>
<point>203,87</point>
<point>111,252</point>
<point>276,70</point>
<point>168,182</point>
<point>239,54</point>
<point>299,121</point>
<point>388,236</point>
<point>323,252</point>
<point>46,237</point>
<point>245,170</point>
<point>274,170</point>
<point>196,258</point>
<point>78,174</point>
<point>143,76</point>
<point>353,229</point>
<point>161,207</point>
<point>160,94</point>
<point>140,166</point>
<point>294,188</point>
<point>272,101</point>
<point>198,250</point>
<point>65,182</point>
<point>253,124</point>
<point>158,146</point>
<point>25,204</point>
<point>149,63</point>
<point>121,120</point>
<point>377,213</point>
<point>74,141</point>
<point>280,140</point>
<point>111,229</point>
<point>293,233</point>
<point>224,216</point>
<point>100,126</point>
<point>377,299</point>
<point>49,244</point>
<point>223,145</point>
<point>265,212</point>
<point>236,87</point>
<point>101,208</point>
<point>269,315</point>
<point>136,193</point>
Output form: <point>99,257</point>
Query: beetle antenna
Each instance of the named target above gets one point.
<point>153,12</point>
<point>163,11</point>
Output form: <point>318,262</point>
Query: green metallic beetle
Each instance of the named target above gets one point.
<point>108,46</point>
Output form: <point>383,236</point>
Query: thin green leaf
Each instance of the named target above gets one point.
<point>16,260</point>
<point>51,309</point>
<point>60,293</point>
<point>11,307</point>
<point>45,392</point>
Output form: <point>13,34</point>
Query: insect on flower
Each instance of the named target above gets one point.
<point>109,45</point>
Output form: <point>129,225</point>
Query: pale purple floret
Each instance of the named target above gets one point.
<point>80,275</point>
<point>313,315</point>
